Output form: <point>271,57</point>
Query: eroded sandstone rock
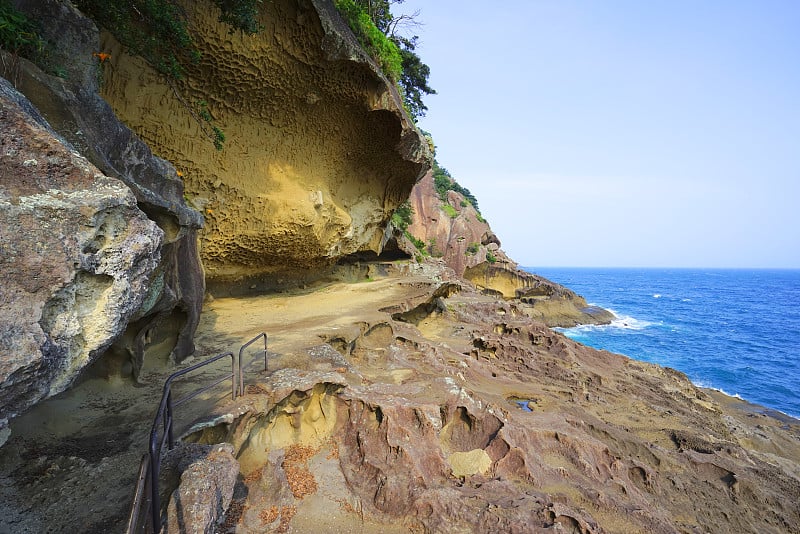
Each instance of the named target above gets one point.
<point>77,255</point>
<point>466,244</point>
<point>319,151</point>
<point>476,418</point>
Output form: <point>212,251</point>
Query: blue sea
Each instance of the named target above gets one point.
<point>734,330</point>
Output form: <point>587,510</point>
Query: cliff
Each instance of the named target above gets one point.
<point>319,151</point>
<point>77,259</point>
<point>171,293</point>
<point>452,229</point>
<point>319,154</point>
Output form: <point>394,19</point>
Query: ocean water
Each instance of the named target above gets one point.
<point>733,330</point>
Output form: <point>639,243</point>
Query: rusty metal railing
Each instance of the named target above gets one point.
<point>145,515</point>
<point>140,520</point>
<point>241,352</point>
<point>146,500</point>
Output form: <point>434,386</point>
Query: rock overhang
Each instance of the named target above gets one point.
<point>319,149</point>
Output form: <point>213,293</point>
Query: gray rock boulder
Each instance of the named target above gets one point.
<point>73,106</point>
<point>204,493</point>
<point>76,256</point>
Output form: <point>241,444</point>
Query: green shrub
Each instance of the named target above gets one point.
<point>381,48</point>
<point>490,257</point>
<point>240,15</point>
<point>449,210</point>
<point>419,243</point>
<point>472,249</point>
<point>18,34</point>
<point>443,181</point>
<point>402,216</point>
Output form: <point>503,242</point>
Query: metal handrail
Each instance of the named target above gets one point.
<point>147,493</point>
<point>241,352</point>
<point>164,418</point>
<point>136,521</point>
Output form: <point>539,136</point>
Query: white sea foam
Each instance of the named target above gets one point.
<point>706,385</point>
<point>630,323</point>
<point>621,322</point>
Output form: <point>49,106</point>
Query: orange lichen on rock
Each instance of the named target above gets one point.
<point>268,515</point>
<point>295,465</point>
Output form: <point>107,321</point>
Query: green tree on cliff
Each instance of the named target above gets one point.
<point>443,181</point>
<point>380,32</point>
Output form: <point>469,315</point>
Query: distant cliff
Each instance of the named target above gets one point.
<point>445,224</point>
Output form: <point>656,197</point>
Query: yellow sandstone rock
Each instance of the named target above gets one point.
<point>469,463</point>
<point>318,149</point>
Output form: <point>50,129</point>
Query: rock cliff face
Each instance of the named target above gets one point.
<point>76,255</point>
<point>319,154</point>
<point>456,232</point>
<point>462,238</point>
<point>74,108</point>
<point>318,151</point>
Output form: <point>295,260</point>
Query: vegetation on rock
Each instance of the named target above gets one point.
<point>157,31</point>
<point>378,32</point>
<point>445,182</point>
<point>21,37</point>
<point>382,49</point>
<point>403,216</point>
<point>450,211</point>
<point>18,34</point>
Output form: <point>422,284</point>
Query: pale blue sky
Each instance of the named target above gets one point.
<point>622,133</point>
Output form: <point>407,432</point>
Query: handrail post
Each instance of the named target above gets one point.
<point>168,422</point>
<point>241,353</point>
<point>134,519</point>
<point>233,377</point>
<point>155,465</point>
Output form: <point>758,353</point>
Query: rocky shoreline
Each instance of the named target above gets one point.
<point>411,387</point>
<point>470,416</point>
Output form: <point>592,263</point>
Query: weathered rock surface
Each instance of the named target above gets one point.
<point>319,151</point>
<point>467,245</point>
<point>204,493</point>
<point>462,241</point>
<point>472,418</point>
<point>74,108</point>
<point>480,419</point>
<point>77,255</point>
